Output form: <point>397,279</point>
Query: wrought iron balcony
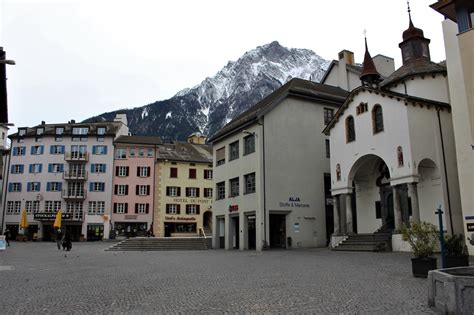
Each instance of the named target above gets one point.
<point>75,156</point>
<point>75,175</point>
<point>74,194</point>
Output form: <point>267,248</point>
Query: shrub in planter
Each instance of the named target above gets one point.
<point>422,237</point>
<point>456,251</point>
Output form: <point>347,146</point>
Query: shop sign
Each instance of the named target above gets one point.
<point>233,208</point>
<point>47,216</point>
<point>177,218</point>
<point>130,217</point>
<point>293,202</point>
<point>470,227</point>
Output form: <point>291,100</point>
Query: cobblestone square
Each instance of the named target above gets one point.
<point>36,278</point>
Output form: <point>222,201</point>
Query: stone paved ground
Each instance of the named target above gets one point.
<point>36,278</point>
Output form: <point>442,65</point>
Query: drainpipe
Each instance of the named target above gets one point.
<point>265,244</point>
<point>445,171</point>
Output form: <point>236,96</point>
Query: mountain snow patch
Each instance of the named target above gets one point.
<point>144,112</point>
<point>168,115</point>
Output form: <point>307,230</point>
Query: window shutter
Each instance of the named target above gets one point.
<point>167,191</point>
<point>60,186</point>
<point>197,192</point>
<point>102,187</point>
<point>10,187</point>
<point>91,186</point>
<point>15,151</point>
<point>12,168</point>
<point>115,189</point>
<point>126,189</point>
<point>187,192</point>
<point>179,192</point>
<point>94,149</point>
<point>105,149</point>
<point>147,208</point>
<point>198,209</point>
<point>39,186</point>
<point>148,190</point>
<point>48,186</point>
<point>116,171</point>
<point>22,167</point>
<point>51,149</point>
<point>19,186</point>
<point>178,209</point>
<point>32,150</point>
<point>127,170</point>
<point>115,208</point>
<point>105,167</point>
<point>41,149</point>
<point>138,171</point>
<point>136,208</point>
<point>137,190</point>
<point>148,171</point>
<point>50,168</point>
<point>31,168</point>
<point>62,149</point>
<point>40,168</point>
<point>28,187</point>
<point>61,168</point>
<point>92,168</point>
<point>126,208</point>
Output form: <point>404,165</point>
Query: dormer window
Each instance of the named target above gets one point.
<point>101,131</point>
<point>21,132</point>
<point>59,131</point>
<point>79,133</point>
<point>39,131</point>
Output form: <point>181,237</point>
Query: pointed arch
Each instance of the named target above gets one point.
<point>377,119</point>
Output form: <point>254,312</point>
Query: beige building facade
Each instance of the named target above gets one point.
<point>183,190</point>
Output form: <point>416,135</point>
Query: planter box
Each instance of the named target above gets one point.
<point>421,266</point>
<point>451,291</point>
<point>457,261</point>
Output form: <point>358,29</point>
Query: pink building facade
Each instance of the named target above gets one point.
<point>133,186</point>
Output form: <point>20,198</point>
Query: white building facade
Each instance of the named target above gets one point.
<point>62,166</point>
<point>270,165</point>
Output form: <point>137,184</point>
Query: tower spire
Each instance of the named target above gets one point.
<point>369,76</point>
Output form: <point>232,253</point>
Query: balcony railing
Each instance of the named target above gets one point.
<point>74,194</point>
<point>75,175</point>
<point>76,156</point>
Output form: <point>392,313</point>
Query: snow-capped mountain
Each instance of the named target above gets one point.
<point>208,106</point>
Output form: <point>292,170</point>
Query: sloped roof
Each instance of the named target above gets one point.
<point>414,68</point>
<point>112,127</point>
<point>353,68</point>
<point>295,87</point>
<point>407,99</point>
<point>184,151</point>
<point>139,140</point>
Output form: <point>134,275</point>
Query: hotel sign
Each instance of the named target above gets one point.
<point>191,201</point>
<point>47,216</point>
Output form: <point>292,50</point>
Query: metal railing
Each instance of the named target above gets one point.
<point>76,156</point>
<point>74,194</point>
<point>75,175</point>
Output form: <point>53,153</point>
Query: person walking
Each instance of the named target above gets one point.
<point>59,237</point>
<point>7,236</point>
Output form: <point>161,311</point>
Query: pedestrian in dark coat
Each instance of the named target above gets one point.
<point>7,236</point>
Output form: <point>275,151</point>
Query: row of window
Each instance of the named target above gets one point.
<point>52,206</point>
<point>121,153</point>
<point>35,186</point>
<point>234,187</point>
<point>174,191</point>
<point>192,173</point>
<point>140,190</point>
<point>59,149</point>
<point>124,171</point>
<point>174,208</point>
<point>54,168</point>
<point>377,121</point>
<point>140,208</point>
<point>78,133</point>
<point>248,147</point>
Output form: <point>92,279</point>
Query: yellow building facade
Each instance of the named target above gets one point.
<point>183,190</point>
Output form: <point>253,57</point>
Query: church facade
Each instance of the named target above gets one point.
<point>393,154</point>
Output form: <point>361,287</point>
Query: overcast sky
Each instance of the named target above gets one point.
<point>79,58</point>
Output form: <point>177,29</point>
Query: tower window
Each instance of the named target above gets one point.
<point>350,129</point>
<point>377,119</point>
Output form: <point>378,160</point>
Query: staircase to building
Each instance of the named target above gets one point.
<point>162,244</point>
<point>379,241</point>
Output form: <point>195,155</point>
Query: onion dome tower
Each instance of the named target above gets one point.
<point>414,46</point>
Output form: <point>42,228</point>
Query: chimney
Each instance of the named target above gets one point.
<point>43,122</point>
<point>345,58</point>
<point>73,121</point>
<point>197,138</point>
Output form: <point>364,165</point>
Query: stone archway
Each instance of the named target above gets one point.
<point>372,196</point>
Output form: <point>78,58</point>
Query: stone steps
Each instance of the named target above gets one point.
<point>162,244</point>
<point>366,242</point>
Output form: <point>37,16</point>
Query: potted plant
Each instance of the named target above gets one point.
<point>456,251</point>
<point>422,237</point>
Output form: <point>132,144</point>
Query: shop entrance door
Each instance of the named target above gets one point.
<point>277,230</point>
<point>251,232</point>
<point>235,230</point>
<point>95,232</point>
